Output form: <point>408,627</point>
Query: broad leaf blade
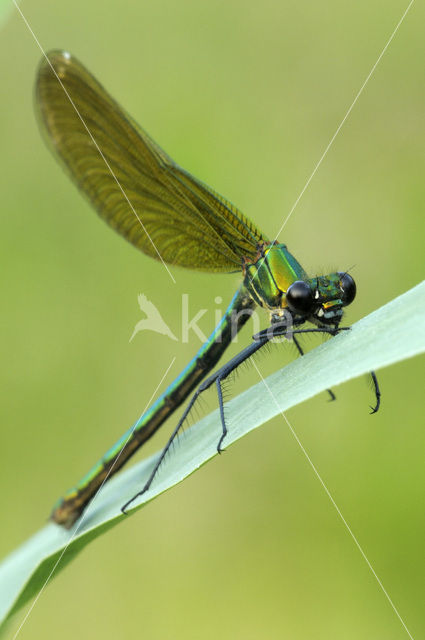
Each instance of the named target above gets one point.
<point>390,334</point>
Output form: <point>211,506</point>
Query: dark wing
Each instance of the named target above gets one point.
<point>134,185</point>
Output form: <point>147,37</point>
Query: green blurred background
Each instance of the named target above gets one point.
<point>246,96</point>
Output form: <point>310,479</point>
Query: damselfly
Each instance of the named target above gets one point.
<point>171,216</point>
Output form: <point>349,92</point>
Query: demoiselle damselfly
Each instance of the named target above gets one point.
<point>171,216</point>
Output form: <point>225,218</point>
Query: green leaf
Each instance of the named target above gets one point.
<point>390,334</point>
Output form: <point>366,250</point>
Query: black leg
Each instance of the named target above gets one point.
<point>260,339</point>
<point>283,330</point>
<point>222,416</point>
<point>301,352</point>
<point>331,394</point>
<point>297,344</point>
<point>217,377</point>
<point>372,373</point>
<point>164,451</point>
<point>377,392</point>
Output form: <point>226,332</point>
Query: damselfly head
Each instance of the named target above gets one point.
<point>321,300</point>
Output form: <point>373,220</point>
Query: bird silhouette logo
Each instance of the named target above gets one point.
<point>153,320</point>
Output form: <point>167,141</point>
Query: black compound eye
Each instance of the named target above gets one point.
<point>348,287</point>
<point>300,297</point>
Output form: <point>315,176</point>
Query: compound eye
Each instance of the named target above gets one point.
<point>348,287</point>
<point>300,297</point>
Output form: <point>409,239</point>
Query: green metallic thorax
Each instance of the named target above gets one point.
<point>268,277</point>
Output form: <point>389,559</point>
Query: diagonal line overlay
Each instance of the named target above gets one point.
<point>94,142</point>
<point>84,515</point>
<point>171,276</point>
<point>341,124</point>
<point>328,493</point>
